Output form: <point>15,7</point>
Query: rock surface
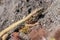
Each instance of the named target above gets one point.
<point>14,10</point>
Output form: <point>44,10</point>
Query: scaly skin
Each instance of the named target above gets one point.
<point>14,25</point>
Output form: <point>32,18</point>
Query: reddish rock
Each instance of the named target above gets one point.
<point>15,36</point>
<point>37,34</point>
<point>42,32</point>
<point>57,34</point>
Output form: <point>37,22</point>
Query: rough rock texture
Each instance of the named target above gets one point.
<point>15,36</point>
<point>38,34</point>
<point>57,34</point>
<point>51,21</point>
<point>13,10</point>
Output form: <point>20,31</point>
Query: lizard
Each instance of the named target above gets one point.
<point>14,25</point>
